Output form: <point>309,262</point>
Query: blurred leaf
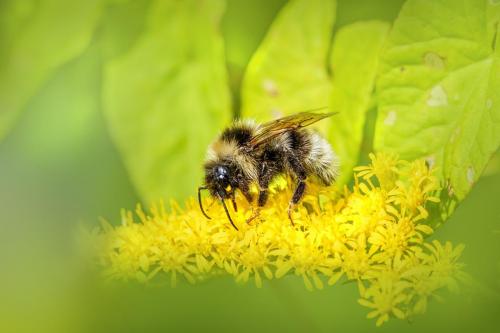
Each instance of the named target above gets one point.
<point>74,88</point>
<point>39,37</point>
<point>438,91</point>
<point>493,166</point>
<point>243,27</point>
<point>13,16</point>
<point>288,72</point>
<point>166,98</point>
<point>122,25</point>
<point>354,62</point>
<point>351,11</point>
<point>48,161</point>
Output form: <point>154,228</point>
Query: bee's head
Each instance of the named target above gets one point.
<point>218,180</point>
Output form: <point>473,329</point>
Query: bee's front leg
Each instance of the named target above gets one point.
<point>265,178</point>
<point>261,201</point>
<point>245,189</point>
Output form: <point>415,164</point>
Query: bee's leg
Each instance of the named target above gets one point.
<point>256,211</point>
<point>245,189</point>
<point>300,173</point>
<point>260,203</point>
<point>265,178</point>
<point>233,200</point>
<point>297,195</point>
<point>264,186</point>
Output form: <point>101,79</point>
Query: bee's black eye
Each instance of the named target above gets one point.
<point>221,172</point>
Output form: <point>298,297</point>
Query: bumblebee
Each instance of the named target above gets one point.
<point>249,153</point>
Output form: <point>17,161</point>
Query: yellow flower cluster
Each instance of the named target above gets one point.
<point>373,234</point>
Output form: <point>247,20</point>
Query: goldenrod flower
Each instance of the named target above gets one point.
<point>373,234</point>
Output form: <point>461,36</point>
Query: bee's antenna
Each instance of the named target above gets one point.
<point>199,201</point>
<point>227,212</point>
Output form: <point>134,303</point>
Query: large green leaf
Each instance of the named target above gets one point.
<point>352,11</point>
<point>44,133</point>
<point>354,61</point>
<point>288,72</point>
<point>37,37</point>
<point>243,26</point>
<point>121,27</point>
<point>166,98</point>
<point>439,88</point>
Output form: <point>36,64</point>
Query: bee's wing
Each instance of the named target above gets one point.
<point>270,130</point>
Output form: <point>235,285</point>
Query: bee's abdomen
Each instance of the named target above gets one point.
<point>321,159</point>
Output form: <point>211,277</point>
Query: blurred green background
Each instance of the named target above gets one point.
<point>59,169</point>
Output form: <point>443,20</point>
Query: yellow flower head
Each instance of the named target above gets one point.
<point>373,234</point>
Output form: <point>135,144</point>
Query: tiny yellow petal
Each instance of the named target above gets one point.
<point>335,277</point>
<point>398,313</point>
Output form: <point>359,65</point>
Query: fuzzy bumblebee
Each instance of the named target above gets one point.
<point>249,153</point>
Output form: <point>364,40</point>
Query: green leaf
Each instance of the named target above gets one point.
<point>288,72</point>
<point>351,11</point>
<point>354,62</point>
<point>121,27</point>
<point>166,98</point>
<point>244,25</point>
<point>439,89</point>
<point>47,135</point>
<point>38,38</point>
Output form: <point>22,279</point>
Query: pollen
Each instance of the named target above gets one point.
<point>373,233</point>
